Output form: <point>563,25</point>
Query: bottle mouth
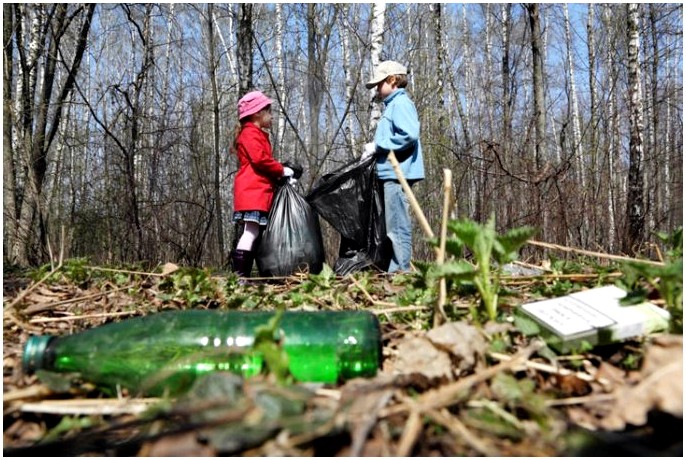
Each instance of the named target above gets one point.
<point>34,352</point>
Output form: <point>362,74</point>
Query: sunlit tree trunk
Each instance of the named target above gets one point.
<point>9,174</point>
<point>376,44</point>
<point>281,85</point>
<point>577,142</point>
<point>217,154</point>
<point>245,48</point>
<point>42,114</point>
<point>635,212</point>
<point>593,125</point>
<point>349,85</point>
<point>506,19</point>
<point>612,133</point>
<point>541,211</point>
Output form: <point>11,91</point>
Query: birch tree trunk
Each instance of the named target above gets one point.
<point>613,127</point>
<point>593,126</point>
<point>281,85</point>
<point>577,143</point>
<point>244,48</point>
<point>40,131</point>
<point>635,212</point>
<point>9,174</point>
<point>506,13</point>
<point>349,88</point>
<point>212,68</point>
<point>376,44</point>
<point>538,86</point>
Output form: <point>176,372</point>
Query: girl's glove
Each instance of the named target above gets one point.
<point>288,174</point>
<point>297,168</point>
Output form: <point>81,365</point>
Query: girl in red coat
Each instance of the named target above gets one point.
<point>258,175</point>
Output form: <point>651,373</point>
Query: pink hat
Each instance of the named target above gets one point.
<point>251,103</point>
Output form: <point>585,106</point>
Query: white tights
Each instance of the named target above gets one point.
<point>250,233</point>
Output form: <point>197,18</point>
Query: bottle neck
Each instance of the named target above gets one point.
<point>36,353</point>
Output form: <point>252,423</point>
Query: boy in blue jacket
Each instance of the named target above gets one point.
<point>397,130</point>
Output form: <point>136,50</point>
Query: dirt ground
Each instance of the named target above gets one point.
<point>441,392</point>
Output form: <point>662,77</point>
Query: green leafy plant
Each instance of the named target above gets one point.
<point>267,344</point>
<point>490,251</point>
<point>668,279</point>
<point>191,285</point>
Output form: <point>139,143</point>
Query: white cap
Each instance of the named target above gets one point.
<point>385,70</point>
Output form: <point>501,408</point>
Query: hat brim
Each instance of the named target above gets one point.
<point>256,109</point>
<point>373,83</point>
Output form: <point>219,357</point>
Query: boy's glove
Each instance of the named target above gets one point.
<point>368,150</point>
<point>295,167</point>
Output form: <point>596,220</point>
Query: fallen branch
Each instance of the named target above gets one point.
<point>43,307</point>
<point>600,255</point>
<point>41,320</point>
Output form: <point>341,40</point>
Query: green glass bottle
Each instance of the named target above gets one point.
<point>165,352</point>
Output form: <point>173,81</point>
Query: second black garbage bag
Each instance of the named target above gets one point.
<point>292,241</point>
<point>350,200</point>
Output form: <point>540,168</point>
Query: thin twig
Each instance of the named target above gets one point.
<point>548,368</point>
<point>453,392</point>
<point>75,318</point>
<point>42,307</point>
<point>581,400</point>
<point>92,406</point>
<point>382,311</point>
<point>31,288</point>
<point>456,427</point>
<point>593,254</point>
<point>413,428</point>
<point>361,288</point>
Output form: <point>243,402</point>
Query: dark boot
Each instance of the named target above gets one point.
<point>241,262</point>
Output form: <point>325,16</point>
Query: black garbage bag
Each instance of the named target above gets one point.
<point>292,240</point>
<point>350,200</point>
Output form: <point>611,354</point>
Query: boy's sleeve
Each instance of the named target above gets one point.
<point>405,123</point>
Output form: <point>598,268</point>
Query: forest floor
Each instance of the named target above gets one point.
<point>453,390</point>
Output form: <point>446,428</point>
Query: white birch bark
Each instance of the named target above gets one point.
<point>489,72</point>
<point>281,81</point>
<point>376,43</point>
<point>635,196</point>
<point>593,91</point>
<point>577,145</point>
<point>348,69</point>
<point>612,127</point>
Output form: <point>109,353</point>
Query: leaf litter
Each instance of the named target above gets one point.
<point>453,390</point>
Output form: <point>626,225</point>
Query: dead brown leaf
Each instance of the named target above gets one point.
<point>661,387</point>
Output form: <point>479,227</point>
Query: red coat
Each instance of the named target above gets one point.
<point>258,171</point>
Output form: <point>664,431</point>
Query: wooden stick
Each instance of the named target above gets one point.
<point>74,318</point>
<point>91,406</point>
<point>439,315</point>
<point>410,196</point>
<point>548,368</point>
<point>593,254</point>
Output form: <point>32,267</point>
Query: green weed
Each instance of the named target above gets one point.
<point>489,250</point>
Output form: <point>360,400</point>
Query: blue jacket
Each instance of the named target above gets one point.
<point>398,130</point>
